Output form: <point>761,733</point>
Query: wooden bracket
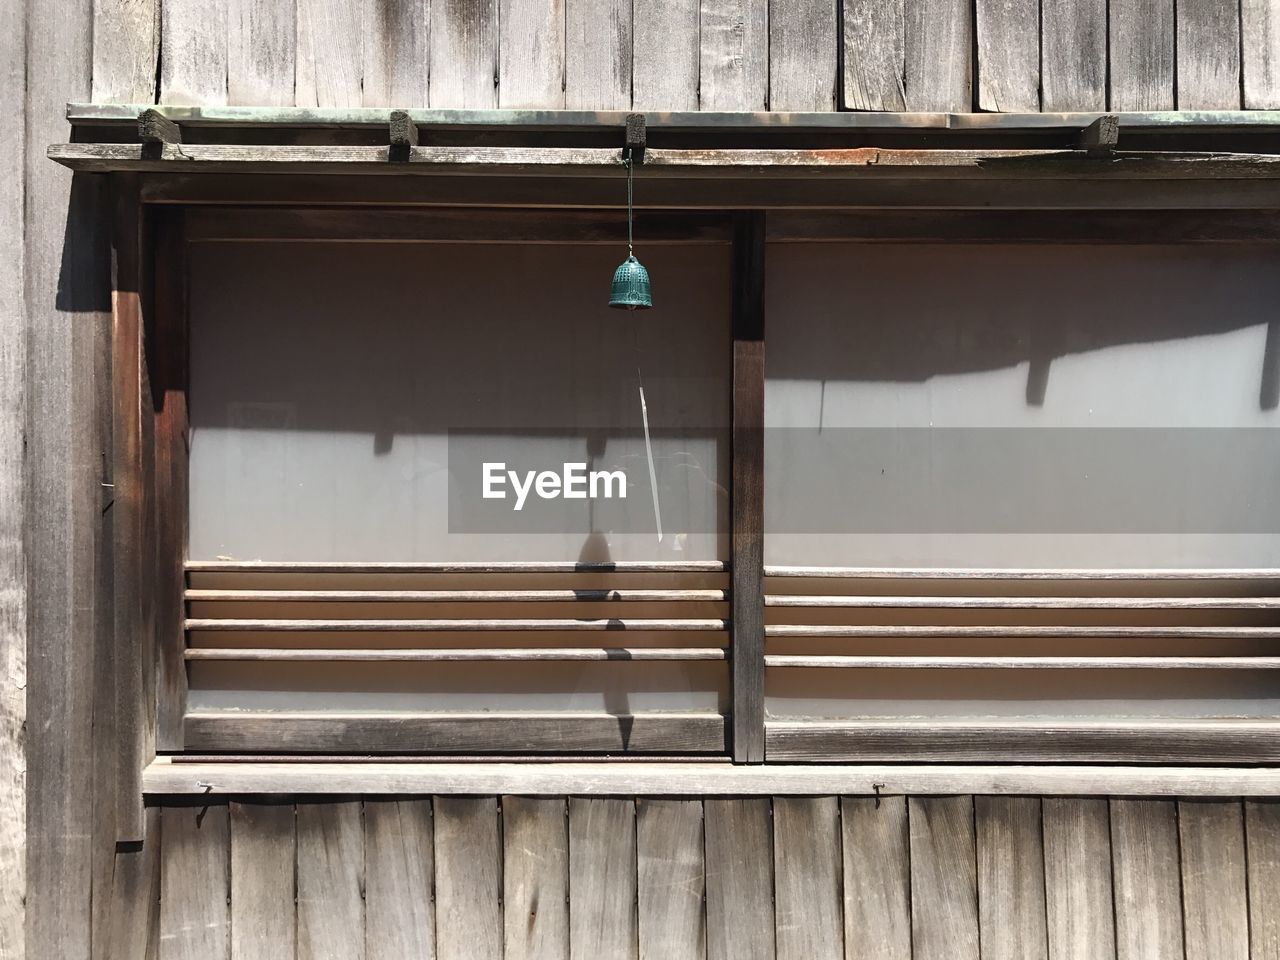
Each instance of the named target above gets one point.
<point>404,135</point>
<point>635,138</point>
<point>1099,138</point>
<point>155,127</point>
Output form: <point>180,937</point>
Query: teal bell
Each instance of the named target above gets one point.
<point>631,286</point>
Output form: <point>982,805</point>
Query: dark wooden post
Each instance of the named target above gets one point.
<point>748,489</point>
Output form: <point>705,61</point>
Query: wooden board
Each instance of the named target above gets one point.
<point>399,879</point>
<point>468,879</point>
<point>664,65</point>
<point>263,863</point>
<point>126,43</point>
<point>1148,887</point>
<point>1142,57</point>
<point>134,912</point>
<point>802,55</point>
<point>1077,869</point>
<point>330,882</point>
<point>393,53</point>
<point>195,920</point>
<point>739,852</point>
<point>597,56</point>
<point>1262,832</point>
<point>734,62</point>
<point>1011,903</point>
<point>261,51</point>
<point>531,54</point>
<point>1208,45</point>
<point>1073,67</point>
<point>938,48</point>
<point>671,880</point>
<point>807,878</point>
<point>602,891</point>
<point>462,37</point>
<point>1260,33</point>
<point>1215,905</point>
<point>193,58</point>
<point>944,890</point>
<point>874,55</point>
<point>535,878</point>
<point>1008,34</point>
<point>329,54</point>
<point>877,878</point>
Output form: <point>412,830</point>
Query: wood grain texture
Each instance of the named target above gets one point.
<point>468,879</point>
<point>1073,44</point>
<point>875,55</point>
<point>1260,36</point>
<point>734,60</point>
<point>1008,55</point>
<point>597,55</point>
<point>330,881</point>
<point>1077,868</point>
<point>1262,834</point>
<point>944,889</point>
<point>1148,886</point>
<point>1208,45</point>
<point>195,919</point>
<point>126,43</point>
<point>1011,902</point>
<point>602,891</point>
<point>399,877</point>
<point>671,880</point>
<point>938,41</point>
<point>393,53</point>
<point>807,878</point>
<point>329,55</point>
<point>877,878</point>
<point>263,891</point>
<point>531,54</point>
<point>739,852</point>
<point>803,61</point>
<point>193,57</point>
<point>134,925</point>
<point>664,63</point>
<point>462,40</point>
<point>535,878</point>
<point>1215,905</point>
<point>262,40</point>
<point>1142,57</point>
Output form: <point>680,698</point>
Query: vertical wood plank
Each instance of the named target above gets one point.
<point>747,495</point>
<point>665,62</point>
<point>1141,41</point>
<point>1073,45</point>
<point>193,52</point>
<point>803,60</point>
<point>597,55</point>
<point>393,39</point>
<point>875,55</point>
<point>733,55</point>
<point>195,921</point>
<point>468,879</point>
<point>739,852</point>
<point>807,878</point>
<point>330,49</point>
<point>1077,868</point>
<point>1148,891</point>
<point>462,38</point>
<point>877,878</point>
<point>531,54</point>
<point>1008,55</point>
<point>535,878</point>
<point>938,71</point>
<point>602,894</point>
<point>330,882</point>
<point>1214,894</point>
<point>261,46</point>
<point>944,884</point>
<point>263,892</point>
<point>135,897</point>
<point>1262,832</point>
<point>672,880</point>
<point>1260,33</point>
<point>1010,878</point>
<point>399,870</point>
<point>126,42</point>
<point>1208,47</point>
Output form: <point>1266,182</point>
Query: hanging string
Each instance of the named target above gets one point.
<point>626,162</point>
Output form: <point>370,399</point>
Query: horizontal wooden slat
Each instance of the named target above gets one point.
<point>198,624</point>
<point>1022,632</point>
<point>517,655</point>
<point>987,573</point>
<point>1026,663</point>
<point>1024,603</point>
<point>304,566</point>
<point>456,596</point>
<point>455,732</point>
<point>1025,740</point>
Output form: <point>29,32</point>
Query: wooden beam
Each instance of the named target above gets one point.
<point>155,127</point>
<point>1099,138</point>
<point>502,566</point>
<point>454,655</point>
<point>404,135</point>
<point>199,624</point>
<point>1014,603</point>
<point>1023,663</point>
<point>984,573</point>
<point>1023,632</point>
<point>635,138</point>
<point>482,596</point>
